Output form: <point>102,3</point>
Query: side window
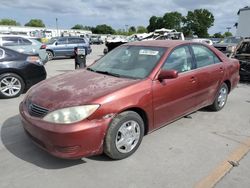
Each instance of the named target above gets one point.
<point>10,41</point>
<point>180,59</point>
<point>73,40</point>
<point>204,56</point>
<point>81,41</point>
<point>62,41</point>
<point>23,41</point>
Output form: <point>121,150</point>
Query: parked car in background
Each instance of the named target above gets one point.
<point>95,39</point>
<point>64,46</point>
<point>205,41</point>
<point>24,44</point>
<point>243,55</point>
<point>135,89</point>
<point>18,72</point>
<point>228,45</point>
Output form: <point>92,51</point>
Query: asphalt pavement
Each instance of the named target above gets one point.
<point>210,148</point>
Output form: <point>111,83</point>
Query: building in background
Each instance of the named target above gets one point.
<point>243,25</point>
<point>42,32</point>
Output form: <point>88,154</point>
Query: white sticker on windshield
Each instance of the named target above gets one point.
<point>148,52</point>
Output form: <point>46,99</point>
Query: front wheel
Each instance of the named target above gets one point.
<point>221,98</point>
<point>124,135</point>
<point>11,85</point>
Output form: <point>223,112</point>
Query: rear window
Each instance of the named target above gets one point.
<point>75,40</point>
<point>23,41</point>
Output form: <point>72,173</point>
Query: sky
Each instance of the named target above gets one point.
<point>119,14</point>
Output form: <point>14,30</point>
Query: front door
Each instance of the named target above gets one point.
<point>175,97</point>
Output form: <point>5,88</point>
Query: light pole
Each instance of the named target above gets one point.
<point>57,27</point>
<point>228,29</point>
<point>126,26</point>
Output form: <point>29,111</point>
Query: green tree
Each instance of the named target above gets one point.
<point>78,26</point>
<point>132,29</point>
<point>141,29</point>
<point>198,22</point>
<point>35,23</point>
<point>7,21</point>
<point>228,34</point>
<point>218,35</point>
<point>173,20</point>
<point>155,23</point>
<point>103,29</point>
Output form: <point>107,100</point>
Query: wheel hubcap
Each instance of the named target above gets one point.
<point>10,86</point>
<point>127,136</point>
<point>222,97</point>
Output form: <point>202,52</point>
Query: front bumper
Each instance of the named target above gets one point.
<point>73,141</point>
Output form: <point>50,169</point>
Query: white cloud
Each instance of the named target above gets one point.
<point>117,13</point>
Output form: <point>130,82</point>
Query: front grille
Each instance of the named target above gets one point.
<point>36,110</point>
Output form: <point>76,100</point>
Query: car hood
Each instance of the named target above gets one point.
<point>75,88</point>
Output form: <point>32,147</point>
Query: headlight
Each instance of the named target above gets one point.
<point>71,115</point>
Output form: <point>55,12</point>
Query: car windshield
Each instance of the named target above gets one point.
<point>129,61</point>
<point>230,40</point>
<point>51,41</point>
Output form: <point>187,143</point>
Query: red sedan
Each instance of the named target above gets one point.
<point>133,90</point>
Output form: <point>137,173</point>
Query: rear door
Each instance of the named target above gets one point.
<point>60,46</point>
<point>72,43</point>
<point>209,73</point>
<point>175,97</point>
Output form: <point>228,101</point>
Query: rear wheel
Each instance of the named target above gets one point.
<point>11,85</point>
<point>124,135</point>
<point>50,55</point>
<point>220,99</point>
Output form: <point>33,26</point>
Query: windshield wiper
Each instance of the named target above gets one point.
<point>90,69</point>
<point>107,73</point>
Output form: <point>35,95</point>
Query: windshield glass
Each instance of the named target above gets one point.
<point>230,40</point>
<point>129,61</point>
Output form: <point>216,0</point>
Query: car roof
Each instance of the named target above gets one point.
<point>160,43</point>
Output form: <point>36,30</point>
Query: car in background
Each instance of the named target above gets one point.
<point>133,90</point>
<point>205,41</point>
<point>64,46</point>
<point>228,45</point>
<point>24,44</point>
<point>243,55</point>
<point>94,39</point>
<point>18,72</point>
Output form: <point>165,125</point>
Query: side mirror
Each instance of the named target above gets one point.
<point>56,43</point>
<point>167,74</point>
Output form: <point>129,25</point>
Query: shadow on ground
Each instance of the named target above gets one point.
<point>16,142</point>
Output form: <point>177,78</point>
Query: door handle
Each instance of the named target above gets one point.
<point>192,79</point>
<point>221,70</point>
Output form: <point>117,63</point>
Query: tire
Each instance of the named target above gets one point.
<point>11,85</point>
<point>124,135</point>
<point>220,99</point>
<point>50,55</point>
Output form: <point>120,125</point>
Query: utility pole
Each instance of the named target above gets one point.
<point>228,29</point>
<point>57,27</point>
